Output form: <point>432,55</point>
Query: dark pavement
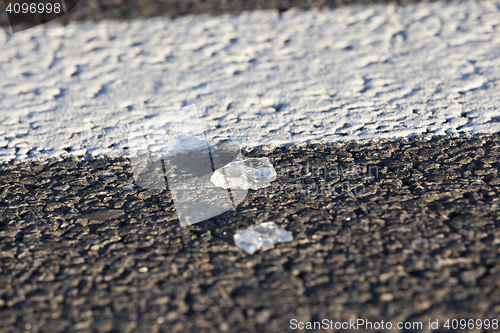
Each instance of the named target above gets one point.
<point>95,10</point>
<point>394,231</point>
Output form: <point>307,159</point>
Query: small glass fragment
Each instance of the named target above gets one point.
<point>107,175</point>
<point>62,188</point>
<point>130,187</point>
<point>420,244</point>
<point>259,236</point>
<point>252,173</point>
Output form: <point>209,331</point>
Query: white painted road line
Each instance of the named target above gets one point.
<point>354,73</point>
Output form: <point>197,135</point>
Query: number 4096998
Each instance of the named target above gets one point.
<point>455,324</point>
<point>33,8</point>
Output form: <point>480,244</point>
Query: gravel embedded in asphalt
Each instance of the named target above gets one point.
<point>397,230</point>
<point>96,10</point>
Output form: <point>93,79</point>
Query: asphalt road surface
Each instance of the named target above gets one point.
<point>95,10</point>
<point>399,231</point>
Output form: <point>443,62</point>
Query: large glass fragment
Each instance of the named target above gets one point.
<point>171,149</point>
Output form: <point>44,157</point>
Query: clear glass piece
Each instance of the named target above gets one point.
<point>171,149</point>
<point>252,173</point>
<point>259,236</point>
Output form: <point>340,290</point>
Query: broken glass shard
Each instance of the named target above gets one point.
<point>172,148</point>
<point>252,173</point>
<point>259,236</point>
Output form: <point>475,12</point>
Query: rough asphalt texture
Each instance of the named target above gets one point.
<point>417,241</point>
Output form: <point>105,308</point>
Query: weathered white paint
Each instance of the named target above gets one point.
<point>354,73</point>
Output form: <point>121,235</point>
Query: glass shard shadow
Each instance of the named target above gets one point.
<point>171,149</point>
